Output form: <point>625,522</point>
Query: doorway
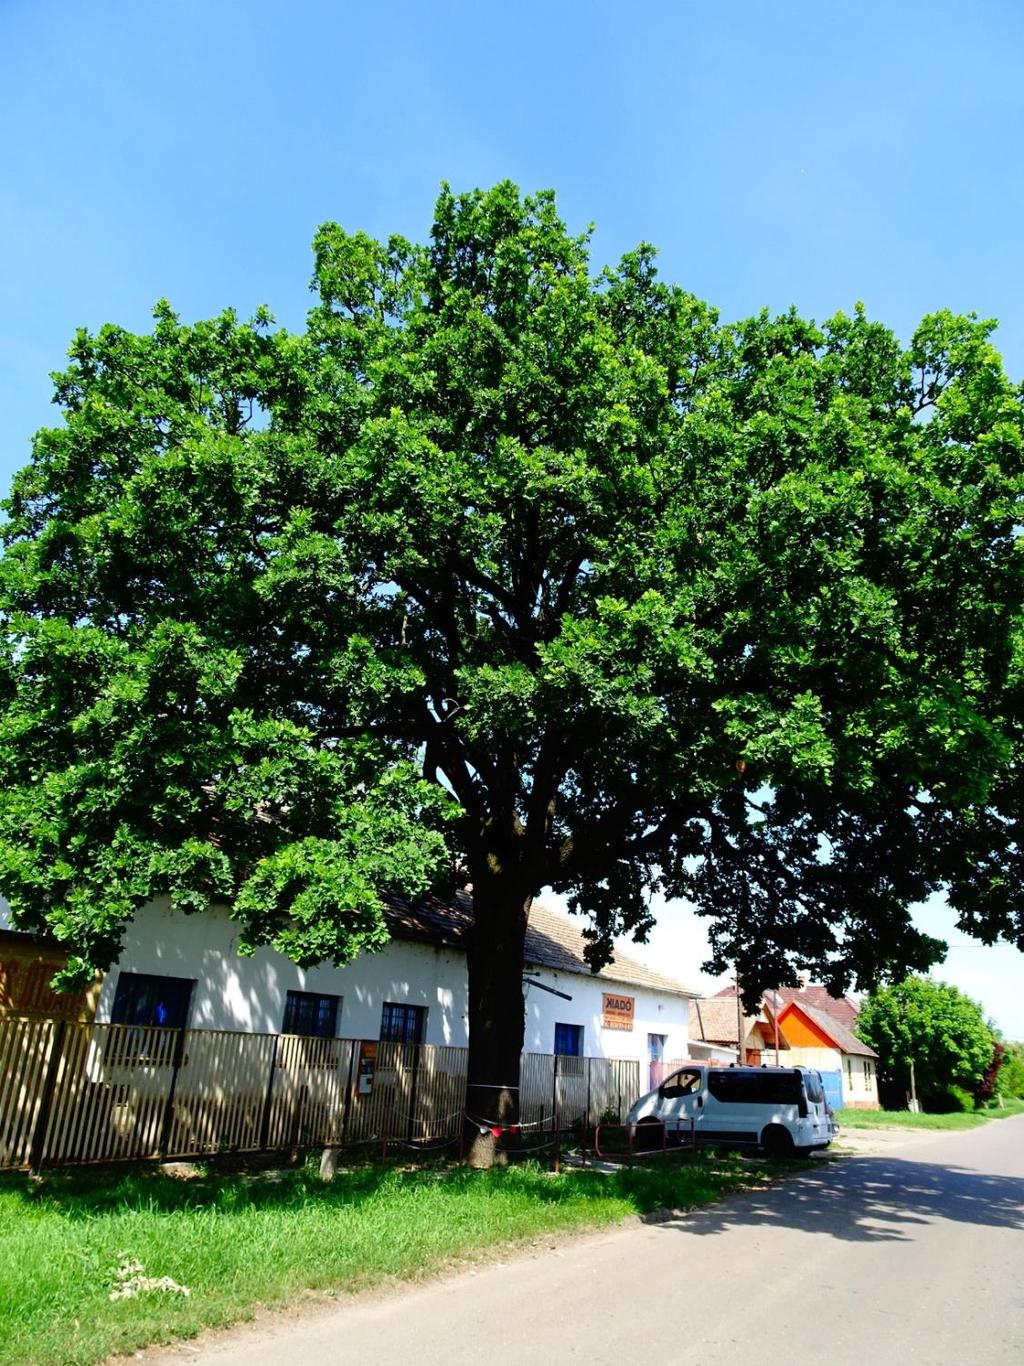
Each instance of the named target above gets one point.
<point>655,1060</point>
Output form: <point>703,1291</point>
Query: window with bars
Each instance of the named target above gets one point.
<point>150,1001</point>
<point>311,1014</point>
<point>401,1023</point>
<point>569,1050</point>
<point>569,1040</point>
<point>154,1006</point>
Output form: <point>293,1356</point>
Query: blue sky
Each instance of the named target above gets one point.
<point>777,153</point>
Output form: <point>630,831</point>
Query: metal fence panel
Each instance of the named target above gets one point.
<point>78,1092</point>
<point>614,1086</point>
<point>111,1092</point>
<point>220,1093</point>
<point>537,1098</point>
<point>307,1090</point>
<point>25,1047</point>
<point>833,1086</point>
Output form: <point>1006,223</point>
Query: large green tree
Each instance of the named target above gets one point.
<point>512,572</point>
<point>933,1026</point>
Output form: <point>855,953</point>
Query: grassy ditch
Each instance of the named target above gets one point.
<point>903,1119</point>
<point>239,1241</point>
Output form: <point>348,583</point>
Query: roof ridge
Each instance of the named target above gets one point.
<point>553,940</point>
<point>636,973</point>
<point>840,1034</point>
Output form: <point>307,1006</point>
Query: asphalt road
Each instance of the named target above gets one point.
<point>912,1254</point>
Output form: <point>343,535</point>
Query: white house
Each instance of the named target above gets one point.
<point>219,1052</point>
<point>185,970</point>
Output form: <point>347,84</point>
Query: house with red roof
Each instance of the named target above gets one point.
<point>714,1021</point>
<point>816,1030</point>
<point>818,1039</point>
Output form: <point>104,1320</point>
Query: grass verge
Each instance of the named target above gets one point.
<point>903,1119</point>
<point>238,1242</point>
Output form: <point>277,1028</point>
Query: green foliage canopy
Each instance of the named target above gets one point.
<point>508,570</point>
<point>935,1027</point>
<point>1010,1081</point>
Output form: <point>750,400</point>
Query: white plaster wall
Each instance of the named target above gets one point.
<point>653,1013</point>
<point>824,1059</point>
<point>856,1091</point>
<point>249,993</point>
<point>713,1052</point>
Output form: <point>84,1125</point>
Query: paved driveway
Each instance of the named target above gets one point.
<point>914,1254</point>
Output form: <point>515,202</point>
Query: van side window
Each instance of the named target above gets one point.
<point>734,1087</point>
<point>680,1084</point>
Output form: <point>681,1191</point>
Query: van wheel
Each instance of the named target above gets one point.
<point>649,1130</point>
<point>777,1141</point>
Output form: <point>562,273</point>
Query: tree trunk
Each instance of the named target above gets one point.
<point>496,1011</point>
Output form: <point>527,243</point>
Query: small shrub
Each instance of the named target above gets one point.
<point>951,1100</point>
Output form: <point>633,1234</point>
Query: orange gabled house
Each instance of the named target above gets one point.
<point>817,1039</point>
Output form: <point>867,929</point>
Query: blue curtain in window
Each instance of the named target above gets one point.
<point>150,1001</point>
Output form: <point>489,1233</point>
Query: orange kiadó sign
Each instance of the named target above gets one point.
<point>617,1012</point>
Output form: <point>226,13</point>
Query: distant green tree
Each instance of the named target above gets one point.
<point>512,572</point>
<point>935,1027</point>
<point>1011,1074</point>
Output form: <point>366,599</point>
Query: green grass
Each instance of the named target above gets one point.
<point>903,1119</point>
<point>239,1242</point>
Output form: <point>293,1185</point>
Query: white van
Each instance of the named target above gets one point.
<point>780,1109</point>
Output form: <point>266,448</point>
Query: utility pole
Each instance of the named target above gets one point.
<point>741,1056</point>
<point>775,1020</point>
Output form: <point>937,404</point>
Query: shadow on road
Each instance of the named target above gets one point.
<point>869,1199</point>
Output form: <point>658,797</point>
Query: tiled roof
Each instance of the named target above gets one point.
<point>552,940</point>
<point>843,1038</point>
<point>431,920</point>
<point>714,1021</point>
<point>840,1008</point>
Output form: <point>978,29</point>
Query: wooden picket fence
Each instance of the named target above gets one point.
<point>73,1092</point>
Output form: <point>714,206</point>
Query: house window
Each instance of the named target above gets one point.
<point>153,1002</point>
<point>156,1009</point>
<point>849,1072</point>
<point>867,1074</point>
<point>569,1040</point>
<point>401,1023</point>
<point>307,1013</point>
<point>569,1050</point>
